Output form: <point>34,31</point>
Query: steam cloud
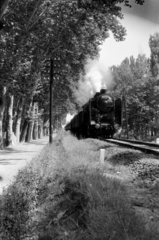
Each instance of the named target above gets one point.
<point>97,76</point>
<point>68,118</point>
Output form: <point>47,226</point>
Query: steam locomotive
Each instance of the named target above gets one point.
<point>99,117</point>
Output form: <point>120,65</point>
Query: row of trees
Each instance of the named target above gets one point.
<point>35,31</point>
<point>138,80</point>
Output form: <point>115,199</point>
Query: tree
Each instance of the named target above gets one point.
<point>154,60</point>
<point>131,80</point>
<point>38,30</point>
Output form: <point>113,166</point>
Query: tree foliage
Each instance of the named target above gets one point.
<point>154,46</point>
<point>36,30</point>
<point>137,79</point>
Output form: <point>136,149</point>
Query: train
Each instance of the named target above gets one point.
<point>99,117</point>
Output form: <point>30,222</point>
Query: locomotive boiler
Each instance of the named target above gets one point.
<point>99,117</point>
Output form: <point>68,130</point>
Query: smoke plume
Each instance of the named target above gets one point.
<point>98,75</point>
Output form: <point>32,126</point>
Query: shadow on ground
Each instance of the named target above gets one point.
<point>38,143</point>
<point>13,151</point>
<point>125,158</point>
<point>7,162</point>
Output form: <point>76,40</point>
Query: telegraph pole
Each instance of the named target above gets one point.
<point>124,110</point>
<point>51,102</point>
<point>54,73</point>
<point>126,117</point>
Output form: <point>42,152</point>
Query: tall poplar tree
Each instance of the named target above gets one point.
<point>154,59</point>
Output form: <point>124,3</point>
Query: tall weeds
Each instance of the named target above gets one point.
<point>63,195</point>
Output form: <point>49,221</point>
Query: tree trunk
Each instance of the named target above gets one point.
<point>24,131</point>
<point>126,117</point>
<point>30,131</point>
<point>45,127</point>
<point>18,120</point>
<point>44,133</point>
<point>29,136</point>
<point>10,121</point>
<point>35,130</point>
<point>40,130</point>
<point>26,124</point>
<point>2,106</point>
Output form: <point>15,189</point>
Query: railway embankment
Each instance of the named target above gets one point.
<point>66,193</point>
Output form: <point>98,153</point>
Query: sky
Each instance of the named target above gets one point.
<point>140,22</point>
<point>136,41</point>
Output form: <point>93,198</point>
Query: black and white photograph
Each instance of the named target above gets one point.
<point>79,119</point>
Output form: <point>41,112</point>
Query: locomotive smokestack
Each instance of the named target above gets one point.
<point>103,90</point>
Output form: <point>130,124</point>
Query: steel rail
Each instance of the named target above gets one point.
<point>143,148</point>
<point>139,142</point>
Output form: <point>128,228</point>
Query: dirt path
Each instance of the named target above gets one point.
<point>16,157</point>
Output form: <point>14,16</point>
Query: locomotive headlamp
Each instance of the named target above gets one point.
<point>97,126</point>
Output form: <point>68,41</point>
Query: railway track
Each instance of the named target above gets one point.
<point>152,148</point>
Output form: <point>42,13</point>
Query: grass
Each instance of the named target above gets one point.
<point>66,194</point>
